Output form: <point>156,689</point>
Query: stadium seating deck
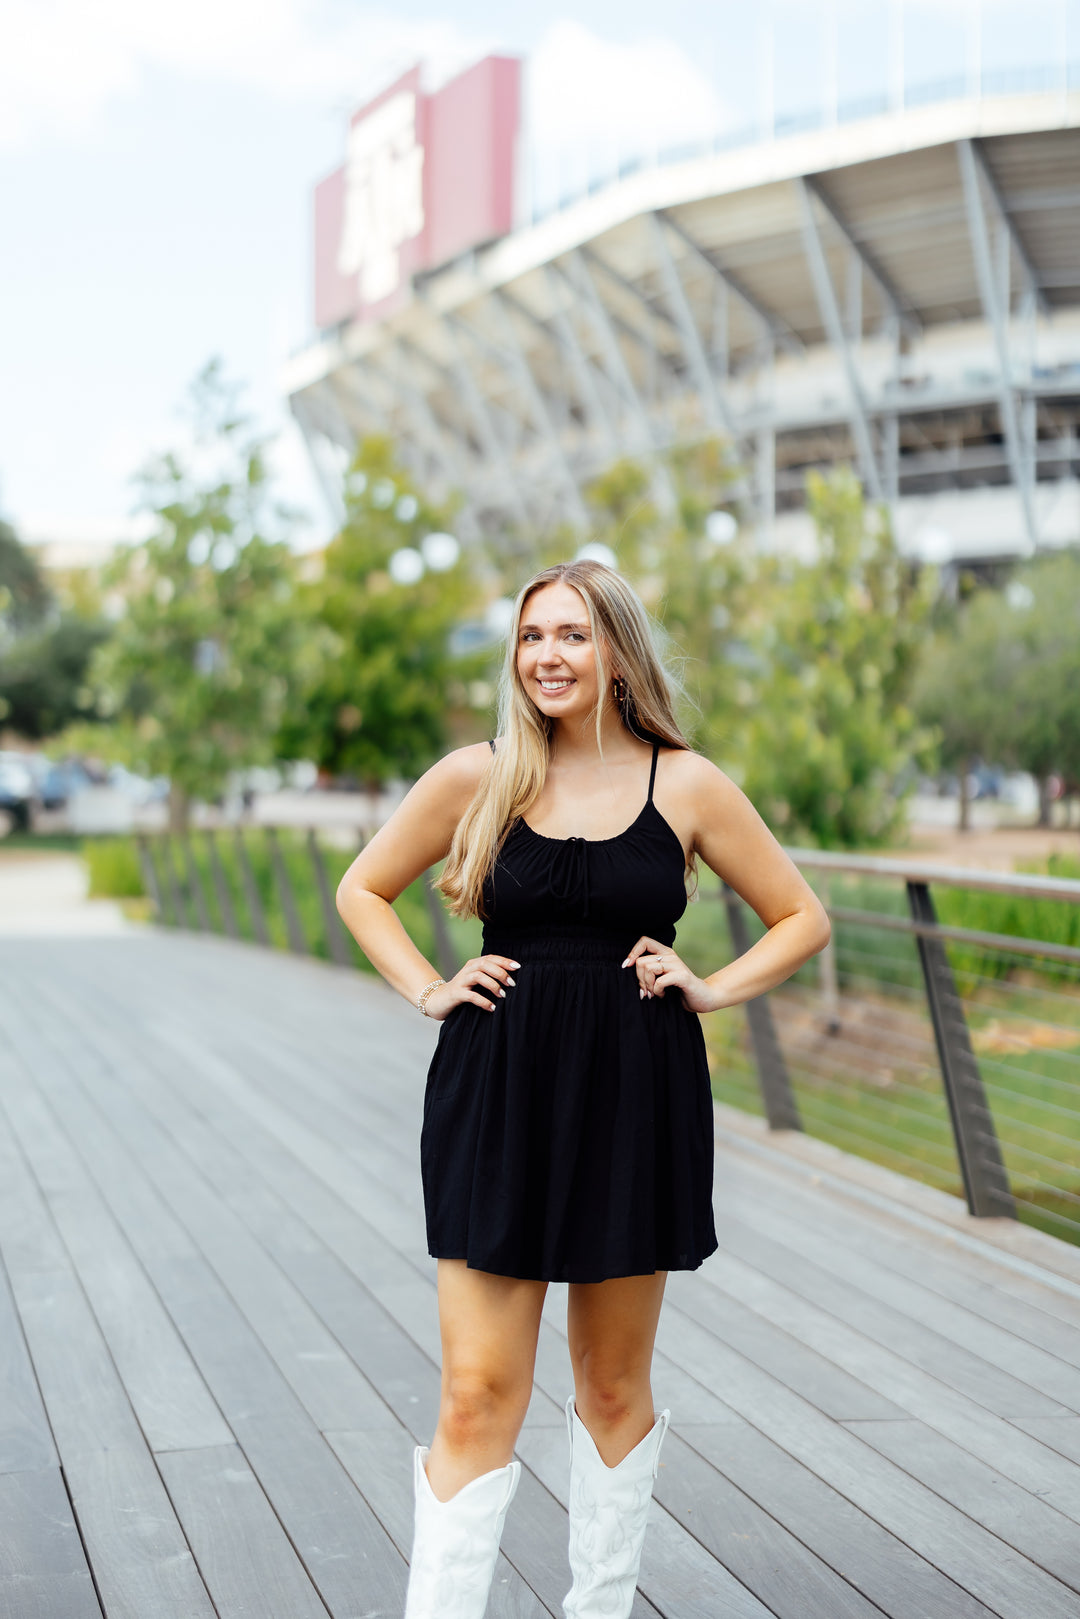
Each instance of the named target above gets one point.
<point>219,1342</point>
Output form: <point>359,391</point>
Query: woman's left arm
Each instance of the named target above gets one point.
<point>734,841</point>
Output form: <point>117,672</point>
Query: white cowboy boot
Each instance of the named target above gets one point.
<point>456,1542</point>
<point>609,1508</point>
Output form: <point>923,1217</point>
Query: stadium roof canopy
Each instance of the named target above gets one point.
<point>901,293</point>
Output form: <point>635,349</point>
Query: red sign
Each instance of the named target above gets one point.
<point>426,177</point>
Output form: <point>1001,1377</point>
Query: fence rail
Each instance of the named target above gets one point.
<point>947,1050</point>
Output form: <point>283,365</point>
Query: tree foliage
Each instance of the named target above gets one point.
<point>379,673</point>
<point>25,597</point>
<point>199,666</point>
<point>1001,681</point>
<point>832,732</point>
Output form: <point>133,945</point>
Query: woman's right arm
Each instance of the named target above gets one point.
<point>416,836</point>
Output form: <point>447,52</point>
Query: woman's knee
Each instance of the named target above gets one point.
<point>480,1404</point>
<point>611,1386</point>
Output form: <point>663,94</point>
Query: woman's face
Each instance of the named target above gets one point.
<point>556,655</point>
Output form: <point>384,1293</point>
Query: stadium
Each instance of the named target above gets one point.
<point>896,289</point>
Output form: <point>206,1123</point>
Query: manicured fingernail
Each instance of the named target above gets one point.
<point>502,992</point>
<point>511,982</point>
<point>626,963</point>
<point>515,964</point>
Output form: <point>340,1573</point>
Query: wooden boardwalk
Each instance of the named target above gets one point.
<point>218,1338</point>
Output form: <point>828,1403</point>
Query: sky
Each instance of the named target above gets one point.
<point>157,163</point>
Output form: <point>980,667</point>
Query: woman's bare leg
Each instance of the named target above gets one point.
<point>612,1328</point>
<point>489,1326</point>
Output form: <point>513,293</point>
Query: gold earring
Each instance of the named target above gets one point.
<point>618,689</point>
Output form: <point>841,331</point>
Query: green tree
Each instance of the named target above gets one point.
<point>1000,682</point>
<point>25,597</point>
<point>379,672</point>
<point>43,676</point>
<point>698,587</point>
<point>196,675</point>
<point>832,732</point>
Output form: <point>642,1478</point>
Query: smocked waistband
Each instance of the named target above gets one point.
<point>563,942</point>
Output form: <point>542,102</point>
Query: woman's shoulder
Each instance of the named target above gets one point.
<point>690,775</point>
<point>462,768</point>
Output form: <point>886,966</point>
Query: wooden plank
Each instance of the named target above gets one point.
<point>938,1263</point>
<point>982,1433</point>
<point>782,1573</point>
<point>316,1367</point>
<point>26,1443</point>
<point>1059,1433</point>
<point>958,1349</point>
<point>246,1558</point>
<point>875,1560</point>
<point>43,1571</point>
<point>1020,1519</point>
<point>171,1401</point>
<point>1007,1583</point>
<point>348,1555</point>
<point>913,1279</point>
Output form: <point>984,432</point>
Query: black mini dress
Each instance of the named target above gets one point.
<point>568,1135</point>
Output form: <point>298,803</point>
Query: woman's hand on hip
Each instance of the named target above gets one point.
<point>491,971</point>
<point>660,969</point>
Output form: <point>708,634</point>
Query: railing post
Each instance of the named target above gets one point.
<point>221,888</point>
<point>986,1180</point>
<point>445,954</point>
<point>336,940</point>
<point>195,887</point>
<point>149,875</point>
<point>293,930</point>
<point>781,1108</point>
<point>830,986</point>
<point>174,882</point>
<point>251,891</point>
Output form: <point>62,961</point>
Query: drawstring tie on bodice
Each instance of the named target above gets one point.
<point>570,873</point>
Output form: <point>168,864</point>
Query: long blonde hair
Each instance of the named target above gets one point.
<point>518,767</point>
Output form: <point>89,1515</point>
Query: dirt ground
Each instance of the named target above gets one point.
<point>993,849</point>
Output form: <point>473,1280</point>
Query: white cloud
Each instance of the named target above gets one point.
<point>591,103</point>
<point>63,61</point>
<point>582,88</point>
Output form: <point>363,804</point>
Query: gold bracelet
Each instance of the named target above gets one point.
<point>422,998</point>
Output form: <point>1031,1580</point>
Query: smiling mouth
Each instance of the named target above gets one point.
<point>551,687</point>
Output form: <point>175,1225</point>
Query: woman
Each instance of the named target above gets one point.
<point>567,1119</point>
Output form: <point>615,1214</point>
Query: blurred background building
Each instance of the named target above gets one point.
<point>888,279</point>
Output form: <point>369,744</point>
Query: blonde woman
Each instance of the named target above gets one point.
<point>567,1131</point>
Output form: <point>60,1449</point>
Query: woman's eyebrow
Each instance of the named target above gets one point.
<point>537,627</point>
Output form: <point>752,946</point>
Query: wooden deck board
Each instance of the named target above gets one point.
<point>222,1307</point>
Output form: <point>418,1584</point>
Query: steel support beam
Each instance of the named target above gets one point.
<point>888,292</point>
<point>1007,227</point>
<point>834,328</point>
<point>783,335</point>
<point>484,421</point>
<point>540,412</point>
<point>717,412</point>
<point>312,435</point>
<point>584,371</point>
<point>643,439</point>
<point>971,172</point>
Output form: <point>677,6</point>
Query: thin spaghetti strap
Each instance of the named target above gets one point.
<point>652,773</point>
<point>491,743</point>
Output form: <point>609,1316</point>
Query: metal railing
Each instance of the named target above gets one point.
<point>947,1051</point>
<point>950,1052</point>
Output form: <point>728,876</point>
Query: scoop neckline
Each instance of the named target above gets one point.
<point>595,842</point>
<point>544,838</point>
